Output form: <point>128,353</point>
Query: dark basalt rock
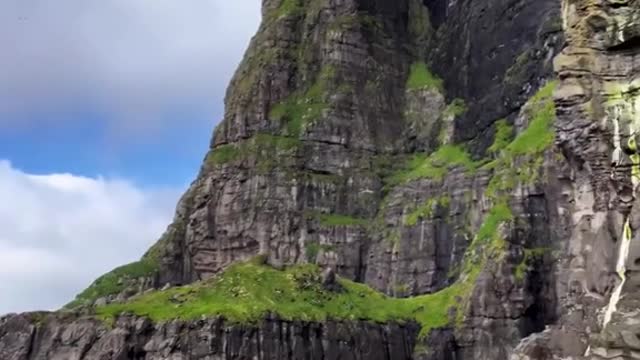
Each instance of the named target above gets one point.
<point>73,338</point>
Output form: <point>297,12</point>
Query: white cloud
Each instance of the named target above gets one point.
<point>138,60</point>
<point>59,232</point>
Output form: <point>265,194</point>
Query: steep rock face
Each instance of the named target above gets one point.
<point>491,185</point>
<point>597,127</point>
<point>295,151</point>
<point>69,338</point>
<point>494,54</point>
<point>326,89</point>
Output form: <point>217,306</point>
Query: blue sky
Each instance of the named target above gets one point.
<point>106,112</point>
<point>167,157</point>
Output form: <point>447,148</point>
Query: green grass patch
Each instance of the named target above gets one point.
<point>300,109</point>
<point>520,160</point>
<point>456,108</point>
<point>434,166</point>
<point>224,154</point>
<point>539,135</point>
<point>426,210</point>
<point>287,8</point>
<point>529,256</point>
<point>515,162</point>
<point>420,77</point>
<point>502,137</point>
<point>114,282</point>
<point>264,147</point>
<point>313,249</point>
<point>500,213</point>
<point>246,292</point>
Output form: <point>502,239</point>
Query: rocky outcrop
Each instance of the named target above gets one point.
<point>484,152</point>
<point>597,117</point>
<point>306,95</point>
<point>70,338</point>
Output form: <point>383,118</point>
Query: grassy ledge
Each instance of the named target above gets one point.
<point>114,282</point>
<point>520,160</point>
<point>265,148</point>
<point>539,134</point>
<point>426,210</point>
<point>246,292</point>
<point>300,109</point>
<point>420,77</point>
<point>332,220</point>
<point>434,166</point>
<point>502,138</point>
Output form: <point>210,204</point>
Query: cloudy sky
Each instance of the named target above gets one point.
<point>106,109</point>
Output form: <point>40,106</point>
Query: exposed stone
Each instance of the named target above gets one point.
<point>134,338</point>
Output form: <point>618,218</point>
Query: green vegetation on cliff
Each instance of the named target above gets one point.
<point>119,279</point>
<point>520,160</point>
<point>435,165</point>
<point>247,292</point>
<point>420,77</point>
<point>287,8</point>
<point>515,161</point>
<point>456,108</point>
<point>335,219</point>
<point>263,147</point>
<point>539,134</point>
<point>529,144</point>
<point>313,248</point>
<point>489,232</point>
<point>300,109</point>
<point>502,138</point>
<point>530,255</point>
<point>426,210</point>
<point>115,281</point>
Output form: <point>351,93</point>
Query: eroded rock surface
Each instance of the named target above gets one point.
<point>71,338</point>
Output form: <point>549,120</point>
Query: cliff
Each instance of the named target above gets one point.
<point>412,179</point>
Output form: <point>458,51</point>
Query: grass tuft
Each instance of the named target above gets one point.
<point>456,108</point>
<point>426,210</point>
<point>114,282</point>
<point>539,134</point>
<point>300,109</point>
<point>530,255</point>
<point>264,148</point>
<point>420,77</point>
<point>434,166</point>
<point>502,138</point>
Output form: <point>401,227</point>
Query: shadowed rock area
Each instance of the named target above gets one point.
<point>430,180</point>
